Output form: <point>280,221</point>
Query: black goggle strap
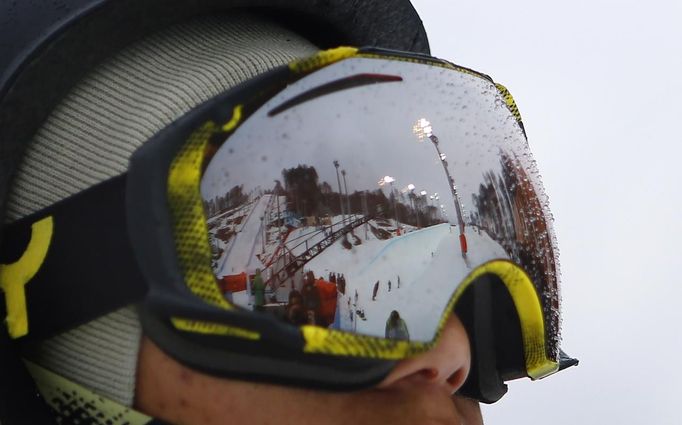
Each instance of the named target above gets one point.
<point>69,263</point>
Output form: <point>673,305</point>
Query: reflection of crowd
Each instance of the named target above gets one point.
<point>315,304</point>
<point>339,281</point>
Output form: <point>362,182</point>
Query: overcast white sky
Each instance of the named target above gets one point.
<point>598,84</point>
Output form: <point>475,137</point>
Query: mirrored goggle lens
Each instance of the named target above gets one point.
<point>360,197</point>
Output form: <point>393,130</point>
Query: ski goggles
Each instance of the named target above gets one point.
<point>312,227</point>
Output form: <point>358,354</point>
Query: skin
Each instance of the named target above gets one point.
<point>418,391</point>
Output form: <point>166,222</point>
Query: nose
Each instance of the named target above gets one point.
<point>446,365</point>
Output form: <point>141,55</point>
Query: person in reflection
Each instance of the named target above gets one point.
<point>375,291</point>
<point>258,292</point>
<point>295,313</point>
<point>311,297</point>
<point>311,319</point>
<point>396,328</point>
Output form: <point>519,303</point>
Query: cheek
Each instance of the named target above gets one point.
<point>157,376</point>
<point>470,410</point>
<point>167,389</point>
<point>172,392</point>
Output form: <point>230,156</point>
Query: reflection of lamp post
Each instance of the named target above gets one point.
<point>422,129</point>
<point>345,186</point>
<point>338,180</point>
<point>390,180</point>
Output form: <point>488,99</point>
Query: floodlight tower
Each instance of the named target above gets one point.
<point>338,180</point>
<point>423,130</point>
<point>345,186</point>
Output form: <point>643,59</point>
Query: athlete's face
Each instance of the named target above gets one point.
<point>418,391</point>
